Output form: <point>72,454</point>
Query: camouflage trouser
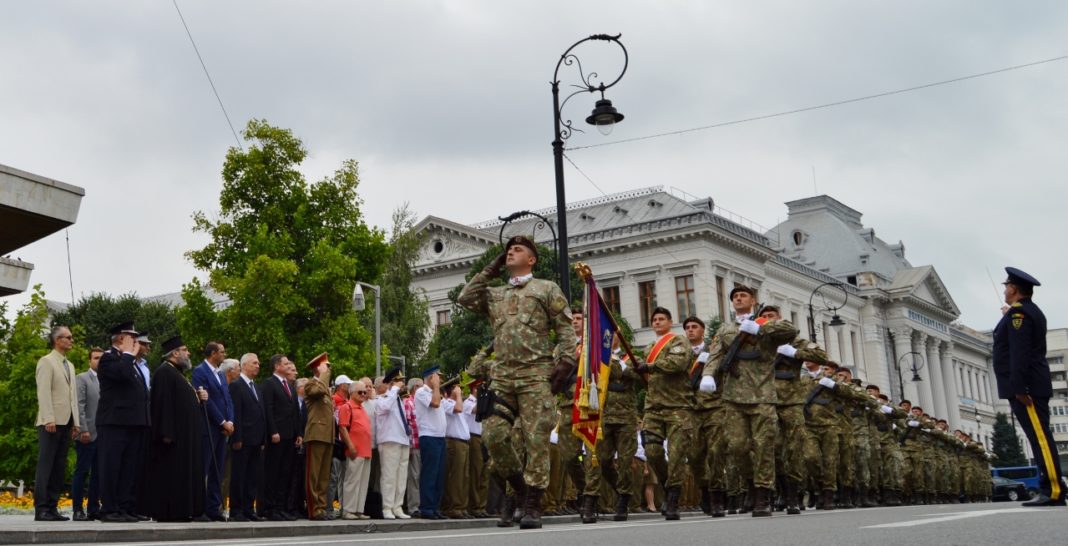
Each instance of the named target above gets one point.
<point>752,428</point>
<point>537,413</point>
<point>675,426</point>
<point>875,462</point>
<point>710,449</point>
<point>571,450</point>
<point>615,450</point>
<point>553,494</point>
<point>930,469</point>
<point>890,465</point>
<point>861,458</point>
<point>846,460</point>
<point>791,449</point>
<point>915,482</point>
<point>827,439</point>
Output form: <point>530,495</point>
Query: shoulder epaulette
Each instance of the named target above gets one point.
<point>1017,304</point>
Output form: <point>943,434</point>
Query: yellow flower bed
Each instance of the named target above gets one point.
<point>25,502</point>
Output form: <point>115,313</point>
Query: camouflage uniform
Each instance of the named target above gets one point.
<point>619,432</point>
<point>859,415</point>
<point>886,436</point>
<point>669,404</point>
<point>791,391</point>
<point>523,319</point>
<point>710,445</point>
<point>569,443</point>
<point>912,446</point>
<point>824,421</point>
<point>749,392</point>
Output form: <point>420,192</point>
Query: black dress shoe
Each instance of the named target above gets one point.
<point>80,516</point>
<point>114,517</point>
<point>239,517</point>
<point>253,517</point>
<point>202,518</point>
<point>216,517</point>
<point>93,516</point>
<point>57,515</point>
<point>277,516</point>
<point>45,515</point>
<point>139,517</point>
<point>1044,500</point>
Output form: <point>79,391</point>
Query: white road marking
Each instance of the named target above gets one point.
<point>939,518</point>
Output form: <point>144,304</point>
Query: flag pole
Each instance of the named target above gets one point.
<point>586,274</point>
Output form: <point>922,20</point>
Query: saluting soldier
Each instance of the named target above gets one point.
<point>523,313</point>
<point>1023,378</point>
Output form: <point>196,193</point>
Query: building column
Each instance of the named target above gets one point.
<point>919,343</point>
<point>902,345</point>
<point>952,395</point>
<point>938,386</point>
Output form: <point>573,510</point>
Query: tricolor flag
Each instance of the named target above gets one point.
<point>593,366</point>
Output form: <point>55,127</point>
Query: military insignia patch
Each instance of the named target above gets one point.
<point>1017,320</point>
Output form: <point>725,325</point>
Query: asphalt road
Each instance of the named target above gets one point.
<point>944,525</point>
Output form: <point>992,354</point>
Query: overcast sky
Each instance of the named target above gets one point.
<point>447,105</point>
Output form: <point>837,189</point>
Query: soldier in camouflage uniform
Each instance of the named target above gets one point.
<point>857,489</point>
<point>749,393</point>
<point>569,444</point>
<point>823,421</point>
<point>707,419</point>
<point>669,405</point>
<point>790,391</point>
<point>619,434</point>
<point>523,313</point>
<point>875,457</point>
<point>890,448</point>
<point>912,449</point>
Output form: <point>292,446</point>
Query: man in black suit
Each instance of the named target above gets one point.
<point>283,435</point>
<point>122,421</point>
<point>1023,378</point>
<point>246,443</point>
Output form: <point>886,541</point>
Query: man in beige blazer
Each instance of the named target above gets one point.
<point>57,423</point>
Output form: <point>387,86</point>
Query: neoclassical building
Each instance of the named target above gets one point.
<point>652,246</point>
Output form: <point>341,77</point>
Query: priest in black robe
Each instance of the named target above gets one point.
<point>174,471</point>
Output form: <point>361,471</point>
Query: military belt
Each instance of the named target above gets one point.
<point>821,401</point>
<point>748,354</point>
<point>785,374</point>
<point>617,387</point>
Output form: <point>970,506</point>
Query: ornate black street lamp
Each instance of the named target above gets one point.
<point>917,365</point>
<point>604,116</point>
<point>836,321</point>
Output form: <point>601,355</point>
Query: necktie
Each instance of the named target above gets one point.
<point>66,369</point>
<point>252,388</point>
<point>404,418</point>
<point>285,385</point>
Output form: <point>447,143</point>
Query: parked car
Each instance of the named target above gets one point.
<point>1026,474</point>
<point>1011,490</point>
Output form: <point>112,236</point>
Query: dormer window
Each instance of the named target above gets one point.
<point>798,237</point>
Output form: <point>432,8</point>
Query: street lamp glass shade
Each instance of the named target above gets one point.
<point>916,376</point>
<point>604,116</point>
<point>359,302</point>
<point>837,323</point>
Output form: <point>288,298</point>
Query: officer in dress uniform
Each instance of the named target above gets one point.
<point>1023,379</point>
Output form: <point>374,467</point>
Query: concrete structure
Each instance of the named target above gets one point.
<point>650,246</point>
<point>32,207</point>
<point>1057,354</point>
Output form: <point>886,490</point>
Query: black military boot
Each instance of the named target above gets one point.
<point>671,503</point>
<point>706,502</point>
<point>512,503</point>
<point>827,500</point>
<point>589,509</point>
<point>761,504</point>
<point>717,508</point>
<point>747,502</point>
<point>622,504</point>
<point>732,504</point>
<point>845,497</point>
<point>790,495</point>
<point>866,500</point>
<point>891,498</point>
<point>532,509</point>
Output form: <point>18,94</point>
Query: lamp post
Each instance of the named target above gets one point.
<point>836,321</point>
<point>359,303</point>
<point>914,367</point>
<point>604,116</point>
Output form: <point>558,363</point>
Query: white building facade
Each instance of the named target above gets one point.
<point>651,247</point>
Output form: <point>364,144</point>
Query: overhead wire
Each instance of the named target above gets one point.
<point>819,106</point>
<point>208,74</point>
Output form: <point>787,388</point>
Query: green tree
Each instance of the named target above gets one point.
<point>405,320</point>
<point>1007,444</point>
<point>453,345</point>
<point>97,313</point>
<point>286,254</point>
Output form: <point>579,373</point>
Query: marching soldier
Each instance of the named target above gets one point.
<point>523,313</point>
<point>569,444</point>
<point>669,404</point>
<point>1023,378</point>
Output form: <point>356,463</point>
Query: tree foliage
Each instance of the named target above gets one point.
<point>405,319</point>
<point>97,313</point>
<point>1007,444</point>
<point>286,254</point>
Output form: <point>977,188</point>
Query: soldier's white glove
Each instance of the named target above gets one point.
<point>707,384</point>
<point>703,357</point>
<point>827,382</point>
<point>623,365</point>
<point>886,409</point>
<point>913,423</point>
<point>750,327</point>
<point>787,350</point>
